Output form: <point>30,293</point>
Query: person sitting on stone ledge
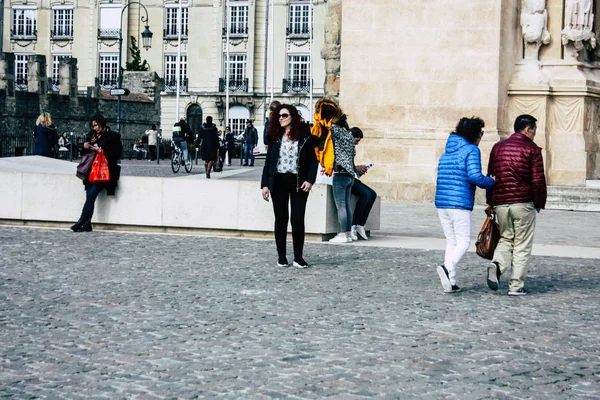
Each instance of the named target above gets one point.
<point>99,138</point>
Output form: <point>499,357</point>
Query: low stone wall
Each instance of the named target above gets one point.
<point>44,191</point>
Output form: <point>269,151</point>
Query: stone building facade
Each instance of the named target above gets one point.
<point>71,110</point>
<point>189,38</point>
<point>409,70</point>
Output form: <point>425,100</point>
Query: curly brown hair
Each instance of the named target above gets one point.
<point>276,131</point>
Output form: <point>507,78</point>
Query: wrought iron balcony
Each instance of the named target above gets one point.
<point>235,85</point>
<point>25,33</point>
<point>61,33</point>
<point>295,86</point>
<point>108,83</point>
<point>297,30</point>
<point>109,33</point>
<point>21,84</point>
<point>236,30</point>
<point>172,33</point>
<point>53,85</point>
<point>170,85</point>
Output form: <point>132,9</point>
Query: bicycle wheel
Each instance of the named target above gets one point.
<point>188,164</point>
<point>175,165</point>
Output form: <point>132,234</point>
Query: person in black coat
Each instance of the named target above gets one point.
<point>45,135</point>
<point>289,172</point>
<point>228,145</point>
<point>209,146</point>
<point>99,138</point>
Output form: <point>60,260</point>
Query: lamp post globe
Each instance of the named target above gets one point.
<point>147,38</point>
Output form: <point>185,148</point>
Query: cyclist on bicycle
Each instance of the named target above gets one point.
<point>182,133</point>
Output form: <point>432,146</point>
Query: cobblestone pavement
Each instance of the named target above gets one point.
<point>110,315</point>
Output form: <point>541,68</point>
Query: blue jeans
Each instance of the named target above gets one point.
<point>366,199</point>
<point>342,189</point>
<point>249,148</point>
<point>183,144</point>
<point>91,193</point>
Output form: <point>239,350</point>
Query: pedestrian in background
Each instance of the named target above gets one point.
<point>329,116</point>
<point>100,137</point>
<point>250,141</point>
<point>45,136</point>
<point>208,141</point>
<point>229,145</point>
<point>459,172</point>
<point>269,117</point>
<point>289,172</point>
<point>519,194</point>
<point>366,196</point>
<point>152,140</point>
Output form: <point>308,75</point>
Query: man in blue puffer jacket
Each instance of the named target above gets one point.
<point>459,172</point>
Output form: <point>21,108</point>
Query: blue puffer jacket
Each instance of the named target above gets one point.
<point>459,171</point>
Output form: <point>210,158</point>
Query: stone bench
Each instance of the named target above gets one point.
<point>43,191</point>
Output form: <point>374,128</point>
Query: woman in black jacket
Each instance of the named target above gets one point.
<point>99,138</point>
<point>46,137</point>
<point>290,171</point>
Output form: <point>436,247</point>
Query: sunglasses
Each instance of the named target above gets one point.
<point>284,116</point>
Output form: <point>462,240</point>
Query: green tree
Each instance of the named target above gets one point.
<point>136,63</point>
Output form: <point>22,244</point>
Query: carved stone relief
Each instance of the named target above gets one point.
<point>579,23</point>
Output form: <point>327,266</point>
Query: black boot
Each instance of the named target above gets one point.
<point>86,227</point>
<point>77,225</point>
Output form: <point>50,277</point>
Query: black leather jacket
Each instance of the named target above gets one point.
<point>307,162</point>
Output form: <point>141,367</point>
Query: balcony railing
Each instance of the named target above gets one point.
<point>109,33</point>
<point>107,83</point>
<point>297,30</point>
<point>170,85</point>
<point>62,33</point>
<point>53,85</point>
<point>236,30</point>
<point>172,34</point>
<point>295,86</point>
<point>235,85</point>
<point>21,84</point>
<point>23,34</point>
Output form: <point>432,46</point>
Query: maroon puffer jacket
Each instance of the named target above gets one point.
<point>517,165</point>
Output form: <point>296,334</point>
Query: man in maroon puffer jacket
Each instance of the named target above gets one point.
<point>520,192</point>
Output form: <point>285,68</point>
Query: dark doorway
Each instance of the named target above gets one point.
<point>194,118</point>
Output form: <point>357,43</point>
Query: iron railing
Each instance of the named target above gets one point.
<point>296,86</point>
<point>170,85</point>
<point>236,30</point>
<point>21,84</point>
<point>235,85</point>
<point>107,83</point>
<point>61,33</point>
<point>27,33</point>
<point>297,30</point>
<point>53,85</point>
<point>109,33</point>
<point>172,33</point>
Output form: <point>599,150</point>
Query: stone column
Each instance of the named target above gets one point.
<point>7,73</point>
<point>331,52</point>
<point>37,81</point>
<point>67,77</point>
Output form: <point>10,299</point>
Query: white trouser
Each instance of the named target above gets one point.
<point>456,224</point>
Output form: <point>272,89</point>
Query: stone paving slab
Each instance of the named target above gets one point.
<point>111,315</point>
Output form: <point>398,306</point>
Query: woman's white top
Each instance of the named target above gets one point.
<point>288,156</point>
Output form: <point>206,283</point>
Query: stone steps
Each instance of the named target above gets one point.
<point>574,198</point>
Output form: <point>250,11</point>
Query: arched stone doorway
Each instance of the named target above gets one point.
<point>194,118</point>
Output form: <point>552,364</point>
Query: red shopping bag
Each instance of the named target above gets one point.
<point>99,173</point>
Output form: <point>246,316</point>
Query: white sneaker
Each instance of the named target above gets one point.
<point>360,231</point>
<point>341,238</point>
<point>353,233</point>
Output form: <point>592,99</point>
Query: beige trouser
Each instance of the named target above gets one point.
<point>517,224</point>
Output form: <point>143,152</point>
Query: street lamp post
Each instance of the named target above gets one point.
<point>146,42</point>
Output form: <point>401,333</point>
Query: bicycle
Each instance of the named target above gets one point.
<point>176,159</point>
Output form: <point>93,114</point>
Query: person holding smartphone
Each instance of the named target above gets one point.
<point>366,195</point>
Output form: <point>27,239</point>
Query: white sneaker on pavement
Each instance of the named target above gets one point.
<point>360,230</point>
<point>353,233</point>
<point>341,238</point>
